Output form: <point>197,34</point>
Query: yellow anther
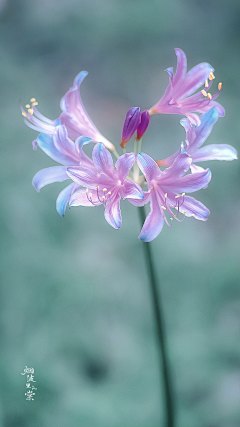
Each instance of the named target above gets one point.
<point>90,194</point>
<point>176,197</point>
<point>183,194</point>
<point>34,103</point>
<point>109,192</point>
<point>206,83</point>
<point>165,195</point>
<point>32,99</point>
<point>163,207</point>
<point>103,197</point>
<point>220,86</point>
<point>24,114</point>
<point>104,189</point>
<point>30,110</point>
<point>184,212</point>
<point>171,219</point>
<point>209,96</point>
<point>204,92</point>
<point>27,106</point>
<point>211,76</point>
<point>86,190</point>
<point>97,187</point>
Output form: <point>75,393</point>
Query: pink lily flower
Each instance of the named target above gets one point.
<point>196,136</point>
<point>105,184</point>
<point>163,194</point>
<point>178,98</point>
<point>74,117</point>
<point>64,151</point>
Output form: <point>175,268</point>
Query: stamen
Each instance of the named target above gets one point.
<point>24,114</point>
<point>103,197</point>
<point>27,106</point>
<point>171,219</point>
<point>206,83</point>
<point>90,195</point>
<point>165,195</point>
<point>97,187</point>
<point>34,103</point>
<point>211,76</point>
<point>163,207</point>
<point>220,86</point>
<point>30,110</point>
<point>109,192</point>
<point>204,92</point>
<point>104,189</point>
<point>184,212</point>
<point>86,190</point>
<point>183,194</point>
<point>209,96</point>
<point>176,197</point>
<point>32,99</point>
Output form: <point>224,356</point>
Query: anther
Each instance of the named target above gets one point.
<point>104,189</point>
<point>32,99</point>
<point>211,76</point>
<point>90,195</point>
<point>34,103</point>
<point>206,83</point>
<point>171,219</point>
<point>165,195</point>
<point>24,114</point>
<point>184,212</point>
<point>176,197</point>
<point>97,187</point>
<point>109,192</point>
<point>183,194</point>
<point>86,190</point>
<point>209,96</point>
<point>220,86</point>
<point>27,106</point>
<point>30,110</point>
<point>103,197</point>
<point>204,92</point>
<point>163,207</point>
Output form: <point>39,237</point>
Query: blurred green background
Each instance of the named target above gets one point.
<point>75,302</point>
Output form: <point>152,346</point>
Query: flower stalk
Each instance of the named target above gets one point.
<point>160,331</point>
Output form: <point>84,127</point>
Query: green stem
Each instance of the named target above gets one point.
<point>163,359</point>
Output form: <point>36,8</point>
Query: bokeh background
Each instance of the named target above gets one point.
<point>75,301</point>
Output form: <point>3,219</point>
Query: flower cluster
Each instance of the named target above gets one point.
<point>135,176</point>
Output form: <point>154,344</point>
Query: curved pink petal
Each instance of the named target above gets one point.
<point>64,145</point>
<point>75,117</point>
<point>189,183</point>
<point>83,198</point>
<point>181,67</point>
<point>192,207</point>
<point>141,202</point>
<point>89,178</point>
<point>112,211</point>
<point>215,152</point>
<point>178,168</point>
<point>102,160</point>
<point>131,190</point>
<point>48,176</point>
<point>47,144</point>
<point>148,166</point>
<point>124,164</point>
<point>64,197</point>
<point>193,80</point>
<point>84,159</point>
<point>154,222</point>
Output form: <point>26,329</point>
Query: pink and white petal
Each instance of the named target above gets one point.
<point>194,119</point>
<point>112,211</point>
<point>154,222</point>
<point>65,146</point>
<point>141,202</point>
<point>179,167</point>
<point>190,183</point>
<point>48,176</point>
<point>194,208</point>
<point>124,164</point>
<point>131,190</point>
<point>181,68</point>
<point>81,198</point>
<point>203,130</point>
<point>84,159</point>
<point>102,160</point>
<point>196,169</point>
<point>46,143</point>
<point>193,80</point>
<point>89,178</point>
<point>64,197</point>
<point>215,152</point>
<point>148,167</point>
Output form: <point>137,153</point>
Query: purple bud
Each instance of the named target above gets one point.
<point>132,121</point>
<point>144,124</point>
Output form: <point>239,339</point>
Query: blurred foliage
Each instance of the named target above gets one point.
<point>75,302</point>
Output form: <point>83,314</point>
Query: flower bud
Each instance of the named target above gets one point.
<point>144,124</point>
<point>132,121</point>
